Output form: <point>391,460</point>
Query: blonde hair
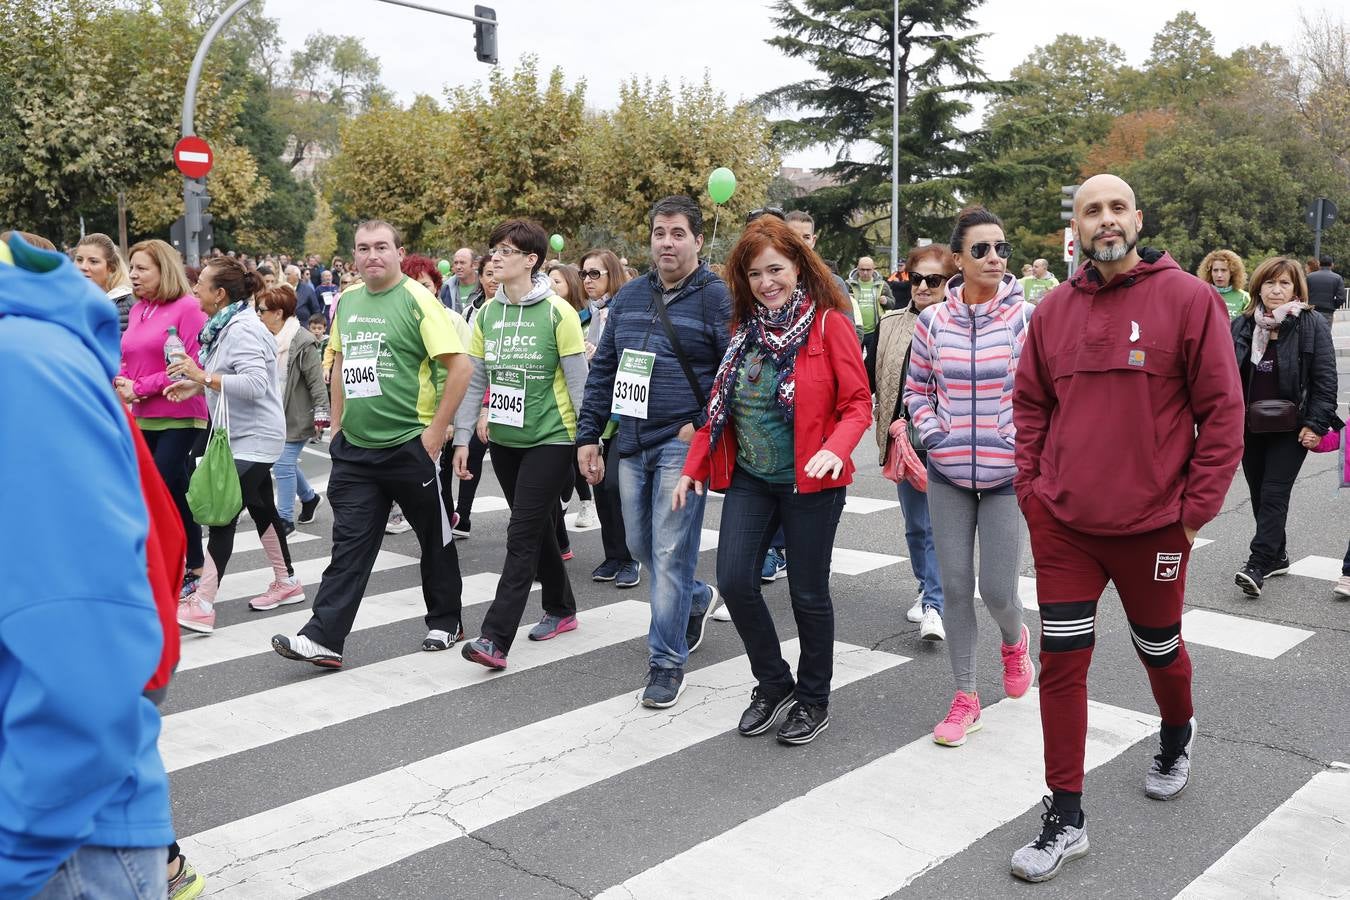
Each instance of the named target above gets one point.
<point>1237,271</point>
<point>117,267</point>
<point>1270,270</point>
<point>173,280</point>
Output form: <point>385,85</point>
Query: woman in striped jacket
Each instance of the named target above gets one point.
<point>959,395</point>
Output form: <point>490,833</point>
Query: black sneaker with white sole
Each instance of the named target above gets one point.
<point>698,621</point>
<point>1279,568</point>
<point>303,649</point>
<point>307,508</point>
<point>1250,579</point>
<point>804,723</point>
<point>438,639</point>
<point>763,711</point>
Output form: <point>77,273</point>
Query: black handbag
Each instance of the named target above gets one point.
<point>1272,416</point>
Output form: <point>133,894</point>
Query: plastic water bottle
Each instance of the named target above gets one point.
<point>174,351</point>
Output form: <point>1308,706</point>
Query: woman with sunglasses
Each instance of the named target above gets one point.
<point>958,392</point>
<point>929,269</point>
<point>788,406</point>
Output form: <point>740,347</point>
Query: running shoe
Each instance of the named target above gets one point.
<point>586,515</point>
<point>551,626</point>
<point>1281,567</point>
<point>698,621</point>
<point>307,508</point>
<point>303,649</point>
<point>439,639</point>
<point>630,575</point>
<point>397,524</point>
<point>1250,579</point>
<point>485,653</point>
<point>287,527</point>
<point>607,570</point>
<point>930,629</point>
<point>962,719</point>
<point>722,613</point>
<point>775,566</point>
<point>664,687</point>
<point>1171,769</point>
<point>804,723</point>
<point>1059,842</point>
<point>187,884</point>
<point>197,614</point>
<point>1342,587</point>
<point>461,527</point>
<point>1018,670</point>
<point>279,593</point>
<point>915,613</point>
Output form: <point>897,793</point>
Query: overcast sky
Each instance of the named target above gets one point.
<point>607,41</point>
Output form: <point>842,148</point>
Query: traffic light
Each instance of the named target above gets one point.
<point>485,35</point>
<point>1066,202</point>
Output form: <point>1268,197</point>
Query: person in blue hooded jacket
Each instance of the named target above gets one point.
<point>84,799</point>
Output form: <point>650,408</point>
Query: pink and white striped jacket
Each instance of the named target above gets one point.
<point>959,390</point>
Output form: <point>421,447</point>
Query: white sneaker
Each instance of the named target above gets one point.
<point>930,629</point>
<point>721,614</point>
<point>1342,588</point>
<point>397,524</point>
<point>586,515</point>
<point>915,613</point>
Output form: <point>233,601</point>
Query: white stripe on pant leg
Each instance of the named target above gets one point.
<point>250,637</point>
<point>871,831</point>
<point>1302,849</point>
<point>333,837</point>
<point>210,732</point>
<point>237,585</point>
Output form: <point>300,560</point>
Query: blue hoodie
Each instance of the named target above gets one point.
<point>79,635</point>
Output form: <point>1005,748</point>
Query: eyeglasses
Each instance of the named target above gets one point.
<point>933,281</point>
<point>504,250</point>
<point>765,211</point>
<point>593,274</point>
<point>1002,248</point>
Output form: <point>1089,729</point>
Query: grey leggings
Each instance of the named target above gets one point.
<point>957,515</point>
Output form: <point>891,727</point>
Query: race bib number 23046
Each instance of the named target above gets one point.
<point>360,370</point>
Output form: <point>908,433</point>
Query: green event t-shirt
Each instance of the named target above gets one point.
<point>1235,300</point>
<point>764,441</point>
<point>1033,289</point>
<point>402,330</point>
<point>532,338</point>
<point>869,296</point>
<point>464,291</point>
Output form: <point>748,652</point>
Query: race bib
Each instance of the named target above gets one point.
<point>633,384</point>
<point>360,370</point>
<point>506,397</point>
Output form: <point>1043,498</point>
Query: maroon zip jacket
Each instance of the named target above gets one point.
<point>1127,404</point>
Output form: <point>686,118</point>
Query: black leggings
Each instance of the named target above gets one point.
<point>172,450</point>
<point>255,482</point>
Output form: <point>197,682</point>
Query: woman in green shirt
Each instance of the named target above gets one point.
<point>1224,270</point>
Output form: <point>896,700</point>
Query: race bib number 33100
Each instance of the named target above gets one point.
<point>633,384</point>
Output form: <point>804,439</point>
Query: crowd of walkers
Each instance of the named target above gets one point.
<point>997,402</point>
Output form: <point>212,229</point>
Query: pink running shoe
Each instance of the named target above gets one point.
<point>279,593</point>
<point>962,719</point>
<point>1018,670</point>
<point>196,614</point>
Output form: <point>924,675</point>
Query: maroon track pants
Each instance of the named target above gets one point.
<point>1072,568</point>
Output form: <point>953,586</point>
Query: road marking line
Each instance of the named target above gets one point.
<point>1302,849</point>
<point>865,506</point>
<point>310,571</point>
<point>341,834</point>
<point>1250,636</point>
<point>873,818</point>
<point>246,540</point>
<point>1324,567</point>
<point>856,562</point>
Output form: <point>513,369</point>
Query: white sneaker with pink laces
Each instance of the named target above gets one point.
<point>279,593</point>
<point>197,614</point>
<point>962,719</point>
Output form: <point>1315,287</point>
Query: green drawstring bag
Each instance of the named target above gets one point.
<point>213,493</point>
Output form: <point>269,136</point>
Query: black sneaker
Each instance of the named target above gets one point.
<point>438,639</point>
<point>307,508</point>
<point>1280,568</point>
<point>287,527</point>
<point>664,687</point>
<point>630,575</point>
<point>607,570</point>
<point>763,711</point>
<point>1250,579</point>
<point>804,721</point>
<point>698,621</point>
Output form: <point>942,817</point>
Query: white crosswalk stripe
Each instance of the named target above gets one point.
<point>253,582</point>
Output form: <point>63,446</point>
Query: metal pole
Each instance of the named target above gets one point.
<point>1317,229</point>
<point>895,138</point>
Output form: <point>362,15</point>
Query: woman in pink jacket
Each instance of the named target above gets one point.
<point>164,300</point>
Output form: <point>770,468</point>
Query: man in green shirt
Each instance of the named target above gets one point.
<point>871,297</point>
<point>399,374</point>
<point>1039,283</point>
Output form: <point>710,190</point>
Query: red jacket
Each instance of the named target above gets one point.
<point>832,409</point>
<point>1127,402</point>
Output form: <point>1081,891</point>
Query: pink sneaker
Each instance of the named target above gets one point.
<point>1018,670</point>
<point>196,614</point>
<point>962,719</point>
<point>279,593</point>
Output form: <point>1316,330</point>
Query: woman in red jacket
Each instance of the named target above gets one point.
<point>788,406</point>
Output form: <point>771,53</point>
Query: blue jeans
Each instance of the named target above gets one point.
<point>666,543</point>
<point>289,479</point>
<point>919,537</point>
<point>109,873</point>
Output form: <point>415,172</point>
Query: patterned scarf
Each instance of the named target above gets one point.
<point>778,334</point>
<point>1268,322</point>
<point>211,330</point>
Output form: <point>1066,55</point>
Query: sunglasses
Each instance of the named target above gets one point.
<point>754,214</point>
<point>933,281</point>
<point>593,274</point>
<point>1002,248</point>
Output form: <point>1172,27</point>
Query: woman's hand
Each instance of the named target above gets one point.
<point>186,367</point>
<point>824,465</point>
<point>460,460</point>
<point>482,428</point>
<point>681,492</point>
<point>182,390</point>
<point>1308,438</point>
<point>126,388</point>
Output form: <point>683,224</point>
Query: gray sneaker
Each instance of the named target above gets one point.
<point>1171,769</point>
<point>1059,842</point>
<point>664,687</point>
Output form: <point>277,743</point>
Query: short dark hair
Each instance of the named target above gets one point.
<point>678,205</point>
<point>967,219</point>
<point>1326,261</point>
<point>319,319</point>
<point>523,235</point>
<point>371,224</point>
<point>801,215</point>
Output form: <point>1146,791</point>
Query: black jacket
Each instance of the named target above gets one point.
<point>1306,362</point>
<point>1325,289</point>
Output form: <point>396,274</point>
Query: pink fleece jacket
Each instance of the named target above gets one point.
<point>143,355</point>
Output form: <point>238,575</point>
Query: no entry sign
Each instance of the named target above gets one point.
<point>193,156</point>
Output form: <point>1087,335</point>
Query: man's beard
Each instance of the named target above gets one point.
<point>1113,253</point>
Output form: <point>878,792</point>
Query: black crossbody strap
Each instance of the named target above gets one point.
<point>679,349</point>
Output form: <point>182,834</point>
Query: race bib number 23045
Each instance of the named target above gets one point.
<point>506,397</point>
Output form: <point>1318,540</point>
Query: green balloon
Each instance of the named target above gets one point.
<point>443,267</point>
<point>721,185</point>
<point>556,242</point>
